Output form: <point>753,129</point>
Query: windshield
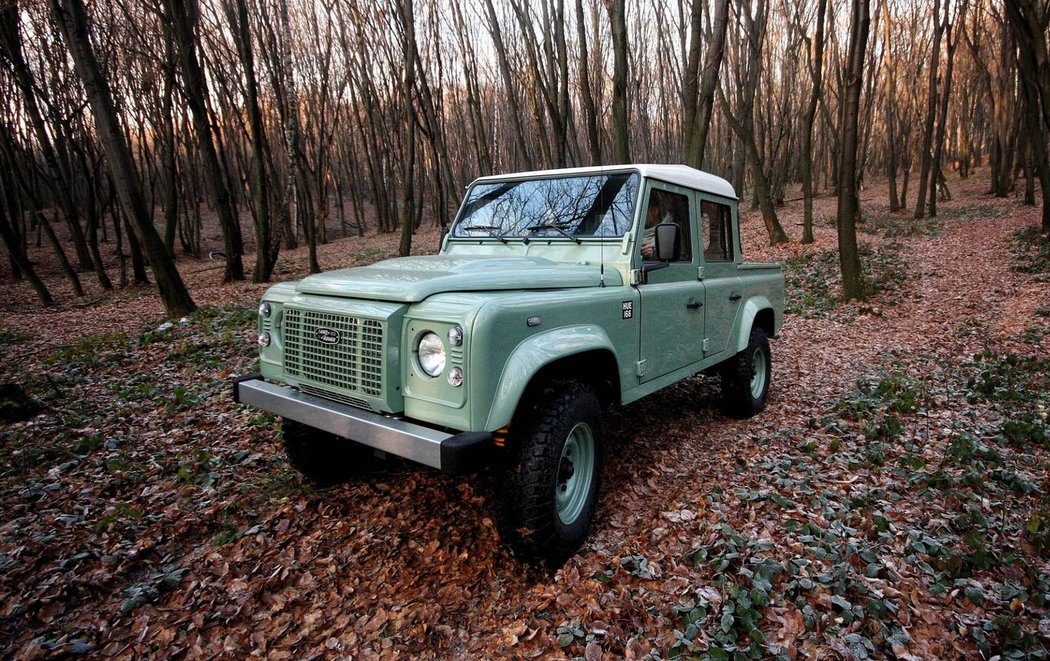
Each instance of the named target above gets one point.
<point>563,207</point>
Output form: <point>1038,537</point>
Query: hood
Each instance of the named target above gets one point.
<point>411,279</point>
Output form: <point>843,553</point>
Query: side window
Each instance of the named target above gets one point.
<point>667,207</point>
<point>717,220</point>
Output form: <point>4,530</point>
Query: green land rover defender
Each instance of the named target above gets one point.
<point>555,294</point>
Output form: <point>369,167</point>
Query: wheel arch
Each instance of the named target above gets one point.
<point>758,311</point>
<point>582,353</point>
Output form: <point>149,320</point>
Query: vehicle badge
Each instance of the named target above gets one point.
<point>327,336</point>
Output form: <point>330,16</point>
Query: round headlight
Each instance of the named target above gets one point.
<point>455,336</point>
<point>264,339</point>
<point>431,352</point>
<point>265,309</point>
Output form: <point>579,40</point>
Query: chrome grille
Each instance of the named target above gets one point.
<point>353,362</point>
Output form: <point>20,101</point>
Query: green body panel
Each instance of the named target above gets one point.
<point>432,399</point>
<point>271,358</point>
<point>751,309</point>
<point>502,352</point>
<point>505,351</point>
<point>536,352</point>
<point>523,306</point>
<point>413,279</point>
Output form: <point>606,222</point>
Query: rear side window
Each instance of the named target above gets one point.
<point>716,220</point>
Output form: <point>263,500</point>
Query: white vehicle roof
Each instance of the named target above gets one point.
<point>682,175</point>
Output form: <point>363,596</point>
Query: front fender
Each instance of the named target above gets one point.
<point>533,354</point>
<point>752,307</point>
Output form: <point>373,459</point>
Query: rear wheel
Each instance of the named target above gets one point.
<point>746,377</point>
<point>551,487</point>
<point>325,459</point>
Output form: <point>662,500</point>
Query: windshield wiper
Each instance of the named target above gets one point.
<point>557,228</point>
<point>493,230</point>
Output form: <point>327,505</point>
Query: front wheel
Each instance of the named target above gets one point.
<point>325,459</point>
<point>746,377</point>
<point>551,487</point>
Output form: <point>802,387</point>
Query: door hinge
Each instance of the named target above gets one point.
<point>641,367</point>
<point>700,273</point>
<point>704,345</point>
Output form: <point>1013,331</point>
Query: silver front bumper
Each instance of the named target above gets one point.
<point>424,445</point>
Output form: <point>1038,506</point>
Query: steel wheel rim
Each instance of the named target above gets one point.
<point>575,473</point>
<point>758,376</point>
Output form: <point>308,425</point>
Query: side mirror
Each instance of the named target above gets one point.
<point>667,237</point>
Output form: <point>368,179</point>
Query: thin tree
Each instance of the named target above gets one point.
<point>57,160</point>
<point>699,93</point>
<point>10,235</point>
<point>72,19</point>
<point>590,112</point>
<point>620,133</point>
<point>408,26</point>
<point>742,121</point>
<point>937,182</point>
<point>925,149</point>
<point>509,88</point>
<point>1029,22</point>
<point>890,107</point>
<point>183,16</point>
<point>816,68</point>
<point>267,232</point>
<point>849,200</point>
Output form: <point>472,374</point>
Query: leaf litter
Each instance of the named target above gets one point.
<point>891,501</point>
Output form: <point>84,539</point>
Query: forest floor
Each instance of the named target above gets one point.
<point>892,500</point>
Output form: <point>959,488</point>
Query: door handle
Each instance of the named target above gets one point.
<point>734,297</point>
<point>694,304</point>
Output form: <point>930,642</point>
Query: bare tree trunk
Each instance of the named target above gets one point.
<point>72,20</point>
<point>435,134</point>
<point>470,71</point>
<point>925,157</point>
<point>759,180</point>
<point>700,86</point>
<point>57,160</point>
<point>183,21</point>
<point>56,245</point>
<point>590,112</point>
<point>937,182</point>
<point>138,261</point>
<point>1028,22</point>
<point>405,12</point>
<point>169,149</point>
<point>8,198</point>
<point>551,81</point>
<point>743,121</point>
<point>15,250</point>
<point>267,244</point>
<point>849,202</point>
<point>817,74</point>
<point>510,89</point>
<point>620,129</point>
<point>889,107</point>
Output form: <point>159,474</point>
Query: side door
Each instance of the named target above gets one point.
<point>671,297</point>
<point>718,223</point>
